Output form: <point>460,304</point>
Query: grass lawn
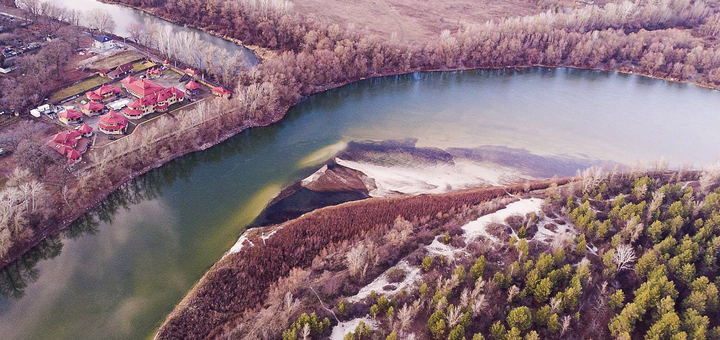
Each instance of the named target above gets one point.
<point>80,87</point>
<point>141,65</point>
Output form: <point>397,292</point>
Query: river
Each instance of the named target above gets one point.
<point>121,271</point>
<point>124,16</point>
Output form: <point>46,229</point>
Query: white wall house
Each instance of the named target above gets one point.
<point>104,42</point>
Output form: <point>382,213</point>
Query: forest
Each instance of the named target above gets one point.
<point>613,253</point>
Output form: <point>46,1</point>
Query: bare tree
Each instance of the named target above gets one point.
<point>356,259</point>
<point>101,20</point>
<point>136,31</point>
<point>623,257</point>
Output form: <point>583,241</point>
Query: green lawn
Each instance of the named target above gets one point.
<point>140,65</point>
<point>78,88</point>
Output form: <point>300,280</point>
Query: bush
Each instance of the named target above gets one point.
<point>396,275</point>
<point>427,264</point>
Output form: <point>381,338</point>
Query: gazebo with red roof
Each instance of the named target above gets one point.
<point>190,72</point>
<point>192,87</point>
<point>113,123</point>
<point>70,117</point>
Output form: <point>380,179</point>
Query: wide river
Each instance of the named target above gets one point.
<point>121,271</point>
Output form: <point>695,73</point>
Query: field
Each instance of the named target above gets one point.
<point>414,20</point>
<point>78,88</point>
<point>115,60</point>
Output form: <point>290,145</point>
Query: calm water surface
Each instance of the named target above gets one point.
<point>117,274</point>
<point>124,16</point>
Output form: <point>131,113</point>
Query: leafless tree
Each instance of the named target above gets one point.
<point>710,177</point>
<point>101,20</point>
<point>623,257</point>
<point>136,31</point>
<point>357,259</point>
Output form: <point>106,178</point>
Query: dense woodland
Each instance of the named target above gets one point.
<point>639,261</point>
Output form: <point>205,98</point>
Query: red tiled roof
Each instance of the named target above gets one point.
<point>112,121</point>
<point>73,155</point>
<point>142,87</point>
<point>220,90</point>
<point>84,129</point>
<point>132,113</point>
<point>105,89</point>
<point>93,96</point>
<point>190,71</point>
<point>192,85</point>
<point>92,106</point>
<point>70,114</point>
<point>68,137</point>
<point>58,147</point>
<point>128,80</point>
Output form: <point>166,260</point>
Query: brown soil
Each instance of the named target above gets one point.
<point>413,20</point>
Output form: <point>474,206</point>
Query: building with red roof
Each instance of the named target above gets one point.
<point>153,73</point>
<point>71,144</point>
<point>113,123</point>
<point>221,92</point>
<point>192,87</point>
<point>140,87</point>
<point>159,102</point>
<point>85,129</point>
<point>190,72</point>
<point>92,108</point>
<point>103,93</point>
<point>70,117</point>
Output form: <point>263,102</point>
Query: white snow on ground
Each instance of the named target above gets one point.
<point>412,275</point>
<point>439,248</point>
<point>239,244</point>
<point>314,177</point>
<point>269,235</point>
<point>478,227</point>
<point>343,328</point>
<point>432,179</point>
<point>545,235</point>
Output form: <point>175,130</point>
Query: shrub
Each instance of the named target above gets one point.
<point>520,318</point>
<point>396,275</point>
<point>427,264</point>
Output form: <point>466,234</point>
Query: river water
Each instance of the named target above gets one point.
<point>124,16</point>
<point>117,274</point>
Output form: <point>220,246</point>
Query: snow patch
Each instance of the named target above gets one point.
<point>238,246</point>
<point>478,227</point>
<point>314,177</point>
<point>343,328</point>
<point>270,234</point>
<point>433,178</point>
<point>412,275</point>
<point>439,248</point>
<point>547,236</point>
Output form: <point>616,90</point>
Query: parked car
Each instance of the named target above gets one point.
<point>112,138</point>
<point>4,153</point>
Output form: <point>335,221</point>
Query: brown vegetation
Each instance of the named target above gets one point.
<point>237,283</point>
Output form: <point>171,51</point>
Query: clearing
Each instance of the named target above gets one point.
<point>414,20</point>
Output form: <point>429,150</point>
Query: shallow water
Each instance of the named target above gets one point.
<point>119,276</point>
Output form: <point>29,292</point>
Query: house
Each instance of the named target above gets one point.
<point>158,102</point>
<point>140,87</point>
<point>120,71</point>
<point>92,108</point>
<point>192,87</point>
<point>166,63</point>
<point>103,42</point>
<point>221,92</point>
<point>70,117</point>
<point>104,92</point>
<point>190,72</point>
<point>71,144</point>
<point>153,73</point>
<point>86,130</point>
<point>113,123</point>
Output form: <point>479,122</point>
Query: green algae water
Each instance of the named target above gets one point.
<point>120,270</point>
